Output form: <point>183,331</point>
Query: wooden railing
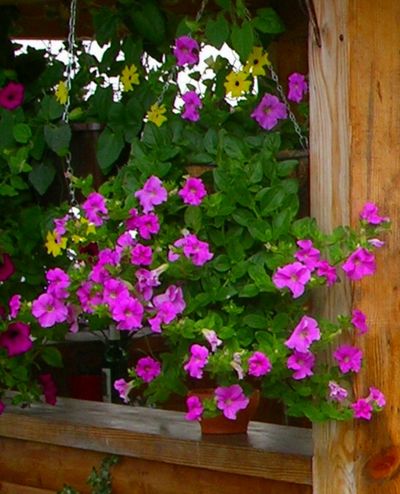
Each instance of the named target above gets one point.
<point>43,448</point>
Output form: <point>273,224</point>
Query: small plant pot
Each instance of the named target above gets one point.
<point>223,425</point>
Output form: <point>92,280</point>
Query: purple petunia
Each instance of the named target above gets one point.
<point>259,364</point>
<point>197,361</point>
<point>152,194</point>
<point>359,264</point>
<point>362,409</point>
<point>302,364</point>
<point>147,369</point>
<point>293,276</point>
<point>186,51</point>
<point>95,208</point>
<point>230,400</point>
<point>303,335</point>
<point>269,111</point>
<point>49,311</point>
<point>307,254</point>
<point>16,339</point>
<point>348,358</point>
<point>7,268</point>
<point>359,321</point>
<point>193,192</point>
<point>12,95</point>
<point>370,215</point>
<point>195,408</point>
<point>192,104</point>
<point>298,87</point>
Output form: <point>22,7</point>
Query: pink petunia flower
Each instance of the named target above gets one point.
<point>307,254</point>
<point>12,95</point>
<point>174,295</point>
<point>142,255</point>
<point>298,87</point>
<point>302,363</point>
<point>128,313</point>
<point>15,305</point>
<point>193,192</point>
<point>377,396</point>
<point>230,400</point>
<point>336,392</point>
<point>114,291</point>
<point>197,361</point>
<point>152,194</point>
<point>211,336</point>
<point>259,364</point>
<point>359,264</point>
<point>194,249</point>
<point>148,369</point>
<point>95,208</point>
<point>303,335</point>
<point>362,409</point>
<point>192,105</point>
<point>147,225</point>
<point>147,280</point>
<point>292,276</point>
<point>359,321</point>
<point>49,311</point>
<point>269,111</point>
<point>7,268</point>
<point>327,271</point>
<point>2,407</point>
<point>59,282</point>
<point>16,339</point>
<point>123,388</point>
<point>195,408</point>
<point>370,214</point>
<point>349,358</point>
<point>186,51</point>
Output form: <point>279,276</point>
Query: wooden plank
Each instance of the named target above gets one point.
<point>355,158</point>
<point>11,488</point>
<point>51,467</point>
<point>268,451</point>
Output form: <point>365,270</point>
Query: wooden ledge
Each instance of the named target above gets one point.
<point>269,451</point>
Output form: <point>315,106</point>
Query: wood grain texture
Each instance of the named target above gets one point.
<point>268,451</point>
<point>71,466</point>
<point>355,158</point>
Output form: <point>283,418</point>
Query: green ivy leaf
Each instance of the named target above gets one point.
<point>109,147</point>
<point>42,176</point>
<point>217,31</point>
<point>255,321</point>
<point>242,38</point>
<point>52,356</point>
<point>58,137</point>
<point>267,21</point>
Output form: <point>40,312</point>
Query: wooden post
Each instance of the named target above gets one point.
<point>355,157</point>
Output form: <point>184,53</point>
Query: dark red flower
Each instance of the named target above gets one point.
<point>7,268</point>
<point>16,339</point>
<point>49,388</point>
<point>12,95</point>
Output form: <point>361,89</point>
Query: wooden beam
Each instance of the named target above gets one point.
<point>355,158</point>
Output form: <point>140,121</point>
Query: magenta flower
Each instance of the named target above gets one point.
<point>370,214</point>
<point>211,336</point>
<point>259,364</point>
<point>362,409</point>
<point>72,319</point>
<point>336,392</point>
<point>114,291</point>
<point>349,358</point>
<point>303,335</point>
<point>95,208</point>
<point>60,228</point>
<point>377,396</point>
<point>174,295</point>
<point>49,311</point>
<point>359,321</point>
<point>186,51</point>
<point>147,225</point>
<point>147,369</point>
<point>14,305</point>
<point>131,222</point>
<point>12,96</point>
<point>2,407</point>
<point>292,276</point>
<point>359,264</point>
<point>16,339</point>
<point>152,194</point>
<point>198,360</point>
<point>128,313</point>
<point>375,242</point>
<point>49,388</point>
<point>147,280</point>
<point>269,111</point>
<point>194,249</point>
<point>123,388</point>
<point>192,105</point>
<point>230,400</point>
<point>307,254</point>
<point>298,87</point>
<point>142,255</point>
<point>193,192</point>
<point>58,283</point>
<point>195,408</point>
<point>7,268</point>
<point>302,364</point>
<point>327,271</point>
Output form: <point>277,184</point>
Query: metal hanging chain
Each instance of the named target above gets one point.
<point>65,117</point>
<point>302,138</point>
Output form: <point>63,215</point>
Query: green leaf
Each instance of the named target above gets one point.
<point>262,280</point>
<point>255,321</point>
<point>58,137</point>
<point>109,147</point>
<point>148,21</point>
<point>217,31</point>
<point>193,218</point>
<point>22,133</point>
<point>285,168</point>
<point>267,21</point>
<point>50,108</point>
<point>242,39</point>
<point>52,356</point>
<point>105,22</point>
<point>222,263</point>
<point>249,290</point>
<point>42,176</point>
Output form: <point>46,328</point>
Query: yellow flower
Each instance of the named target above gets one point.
<point>237,83</point>
<point>257,60</point>
<point>156,114</point>
<point>55,244</point>
<point>90,227</point>
<point>61,93</point>
<point>129,76</point>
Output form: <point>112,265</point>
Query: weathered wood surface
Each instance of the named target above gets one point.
<point>158,440</point>
<point>355,158</point>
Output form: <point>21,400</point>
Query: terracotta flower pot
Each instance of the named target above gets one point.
<point>223,425</point>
